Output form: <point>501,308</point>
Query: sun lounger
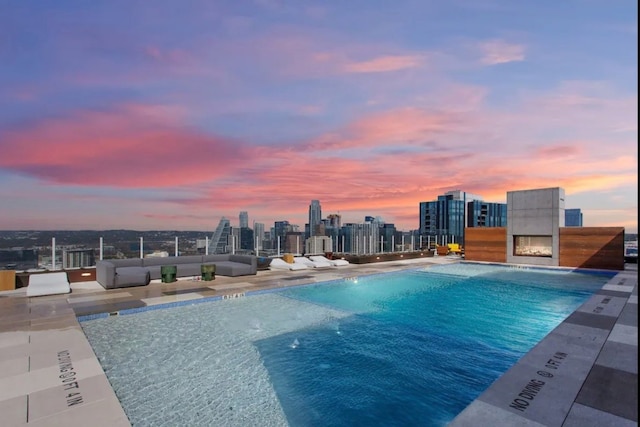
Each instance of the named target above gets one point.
<point>333,262</point>
<point>278,264</point>
<point>311,263</point>
<point>48,284</point>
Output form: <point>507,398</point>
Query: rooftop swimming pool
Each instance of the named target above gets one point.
<point>404,348</point>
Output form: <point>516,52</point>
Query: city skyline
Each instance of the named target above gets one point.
<point>178,116</point>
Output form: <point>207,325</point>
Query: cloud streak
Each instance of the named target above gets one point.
<point>384,64</point>
<point>494,52</point>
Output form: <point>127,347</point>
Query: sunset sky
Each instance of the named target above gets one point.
<point>170,115</point>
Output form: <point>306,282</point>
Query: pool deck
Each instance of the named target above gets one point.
<point>584,373</point>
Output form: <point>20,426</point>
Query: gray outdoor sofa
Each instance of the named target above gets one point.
<point>124,273</point>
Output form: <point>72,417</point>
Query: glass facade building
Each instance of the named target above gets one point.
<point>315,217</point>
<point>244,219</point>
<point>443,220</point>
<point>572,218</point>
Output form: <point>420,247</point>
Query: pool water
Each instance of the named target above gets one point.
<point>407,348</point>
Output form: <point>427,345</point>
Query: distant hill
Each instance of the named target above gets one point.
<point>90,238</point>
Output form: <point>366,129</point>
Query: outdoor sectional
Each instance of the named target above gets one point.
<point>124,273</point>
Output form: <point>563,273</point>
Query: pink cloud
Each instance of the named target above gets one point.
<point>384,64</point>
<point>168,56</point>
<point>559,151</point>
<point>408,126</point>
<point>381,163</point>
<point>499,52</point>
<point>131,146</point>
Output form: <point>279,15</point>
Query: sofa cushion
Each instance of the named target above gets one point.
<point>166,260</point>
<point>128,262</point>
<point>186,270</point>
<point>229,268</point>
<point>132,276</point>
<point>172,260</point>
<point>215,258</point>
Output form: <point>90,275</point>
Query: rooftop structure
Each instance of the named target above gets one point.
<point>594,379</point>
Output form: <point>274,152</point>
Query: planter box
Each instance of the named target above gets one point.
<point>393,256</point>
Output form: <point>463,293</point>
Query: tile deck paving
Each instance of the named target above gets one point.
<point>49,374</point>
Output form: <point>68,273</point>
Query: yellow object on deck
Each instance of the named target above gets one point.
<point>288,258</point>
<point>454,248</point>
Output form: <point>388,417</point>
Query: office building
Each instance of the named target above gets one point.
<point>18,259</point>
<point>334,221</point>
<point>387,237</point>
<point>443,220</point>
<point>219,243</point>
<point>572,218</point>
<point>247,241</point>
<point>361,238</point>
<point>484,214</point>
<point>294,242</point>
<point>315,217</point>
<point>318,245</point>
<point>280,230</point>
<point>244,219</point>
<point>78,258</point>
<point>258,231</point>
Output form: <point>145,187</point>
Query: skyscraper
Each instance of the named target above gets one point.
<point>315,216</point>
<point>244,219</point>
<point>445,219</point>
<point>258,232</point>
<point>334,220</point>
<point>220,239</point>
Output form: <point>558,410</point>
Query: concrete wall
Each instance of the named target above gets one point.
<point>538,212</point>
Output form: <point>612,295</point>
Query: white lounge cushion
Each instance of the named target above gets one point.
<point>48,284</point>
<point>334,262</point>
<point>279,264</point>
<point>310,263</point>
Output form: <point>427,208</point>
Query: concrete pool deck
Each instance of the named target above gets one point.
<point>584,373</point>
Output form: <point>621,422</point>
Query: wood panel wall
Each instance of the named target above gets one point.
<point>485,244</point>
<point>592,247</point>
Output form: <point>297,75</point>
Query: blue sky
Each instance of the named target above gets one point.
<point>170,115</point>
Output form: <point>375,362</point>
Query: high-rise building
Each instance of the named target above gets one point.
<point>361,238</point>
<point>294,242</point>
<point>572,218</point>
<point>219,243</point>
<point>247,242</point>
<point>280,230</point>
<point>483,214</point>
<point>444,220</point>
<point>334,220</point>
<point>315,216</point>
<point>258,231</point>
<point>318,245</point>
<point>77,258</point>
<point>244,219</point>
<point>387,233</point>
